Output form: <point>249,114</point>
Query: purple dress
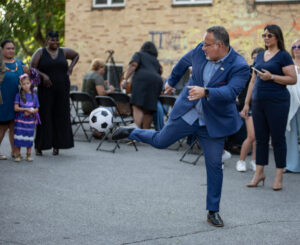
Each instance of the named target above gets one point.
<point>25,125</point>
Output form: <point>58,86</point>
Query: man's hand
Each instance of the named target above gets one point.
<point>196,92</point>
<point>168,89</point>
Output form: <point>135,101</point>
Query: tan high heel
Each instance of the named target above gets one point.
<point>277,185</point>
<point>277,188</point>
<point>256,182</point>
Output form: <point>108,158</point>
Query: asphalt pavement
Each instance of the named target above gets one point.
<point>148,197</point>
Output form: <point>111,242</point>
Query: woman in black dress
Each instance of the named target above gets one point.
<point>55,131</point>
<point>146,84</point>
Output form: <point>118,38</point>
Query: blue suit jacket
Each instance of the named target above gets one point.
<point>220,112</point>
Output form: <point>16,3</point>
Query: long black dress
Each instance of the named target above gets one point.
<point>55,130</point>
<point>146,82</point>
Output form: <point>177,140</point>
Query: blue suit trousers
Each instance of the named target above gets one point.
<point>212,148</point>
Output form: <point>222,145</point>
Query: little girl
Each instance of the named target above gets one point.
<point>26,107</point>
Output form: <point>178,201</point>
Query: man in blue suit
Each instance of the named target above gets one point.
<point>206,107</point>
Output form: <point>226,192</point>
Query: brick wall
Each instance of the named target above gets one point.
<point>175,30</point>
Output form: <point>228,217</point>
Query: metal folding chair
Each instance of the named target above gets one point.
<point>118,120</point>
<point>169,101</point>
<point>123,103</point>
<point>190,150</point>
<point>80,118</point>
<point>72,116</point>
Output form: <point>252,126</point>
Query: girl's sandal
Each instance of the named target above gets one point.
<point>28,158</point>
<point>18,158</point>
<point>2,157</point>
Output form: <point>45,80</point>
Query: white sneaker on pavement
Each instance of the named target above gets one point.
<point>253,165</point>
<point>226,155</point>
<point>241,166</point>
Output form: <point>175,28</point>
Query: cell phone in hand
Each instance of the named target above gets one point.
<point>258,71</point>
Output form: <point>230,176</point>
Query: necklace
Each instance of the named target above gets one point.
<point>53,54</point>
<point>14,70</point>
<point>271,53</point>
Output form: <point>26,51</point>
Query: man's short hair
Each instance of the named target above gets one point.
<point>220,34</point>
<point>96,64</point>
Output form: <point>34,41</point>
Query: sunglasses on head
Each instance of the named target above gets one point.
<point>294,47</point>
<point>269,35</point>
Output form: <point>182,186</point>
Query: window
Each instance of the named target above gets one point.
<point>189,2</point>
<point>108,3</point>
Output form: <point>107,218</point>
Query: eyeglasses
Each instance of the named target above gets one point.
<point>206,45</point>
<point>294,47</point>
<point>269,35</point>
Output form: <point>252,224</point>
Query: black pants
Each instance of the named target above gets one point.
<point>270,118</point>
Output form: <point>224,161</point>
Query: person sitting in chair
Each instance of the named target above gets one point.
<point>93,83</point>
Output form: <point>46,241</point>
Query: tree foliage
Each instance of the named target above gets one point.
<point>26,22</point>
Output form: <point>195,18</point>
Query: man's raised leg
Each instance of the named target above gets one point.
<point>170,133</point>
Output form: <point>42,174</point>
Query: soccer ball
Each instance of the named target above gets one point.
<point>100,119</point>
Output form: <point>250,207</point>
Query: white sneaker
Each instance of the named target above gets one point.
<point>225,156</point>
<point>253,165</point>
<point>241,166</point>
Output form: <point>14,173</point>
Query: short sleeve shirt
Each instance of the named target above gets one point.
<point>267,89</point>
<point>90,81</point>
<point>31,101</point>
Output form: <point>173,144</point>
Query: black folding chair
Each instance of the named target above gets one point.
<point>123,104</point>
<point>118,120</point>
<point>74,88</point>
<point>190,150</point>
<point>80,118</point>
<point>169,101</point>
<point>72,116</point>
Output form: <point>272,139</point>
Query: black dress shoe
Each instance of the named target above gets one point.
<point>215,219</point>
<point>122,132</point>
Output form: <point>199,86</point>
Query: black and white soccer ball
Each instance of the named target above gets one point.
<point>100,119</point>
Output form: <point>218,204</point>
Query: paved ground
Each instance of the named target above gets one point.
<point>149,197</point>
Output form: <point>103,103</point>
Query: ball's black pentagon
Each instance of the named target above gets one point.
<point>104,113</point>
<point>104,125</point>
<point>94,119</point>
